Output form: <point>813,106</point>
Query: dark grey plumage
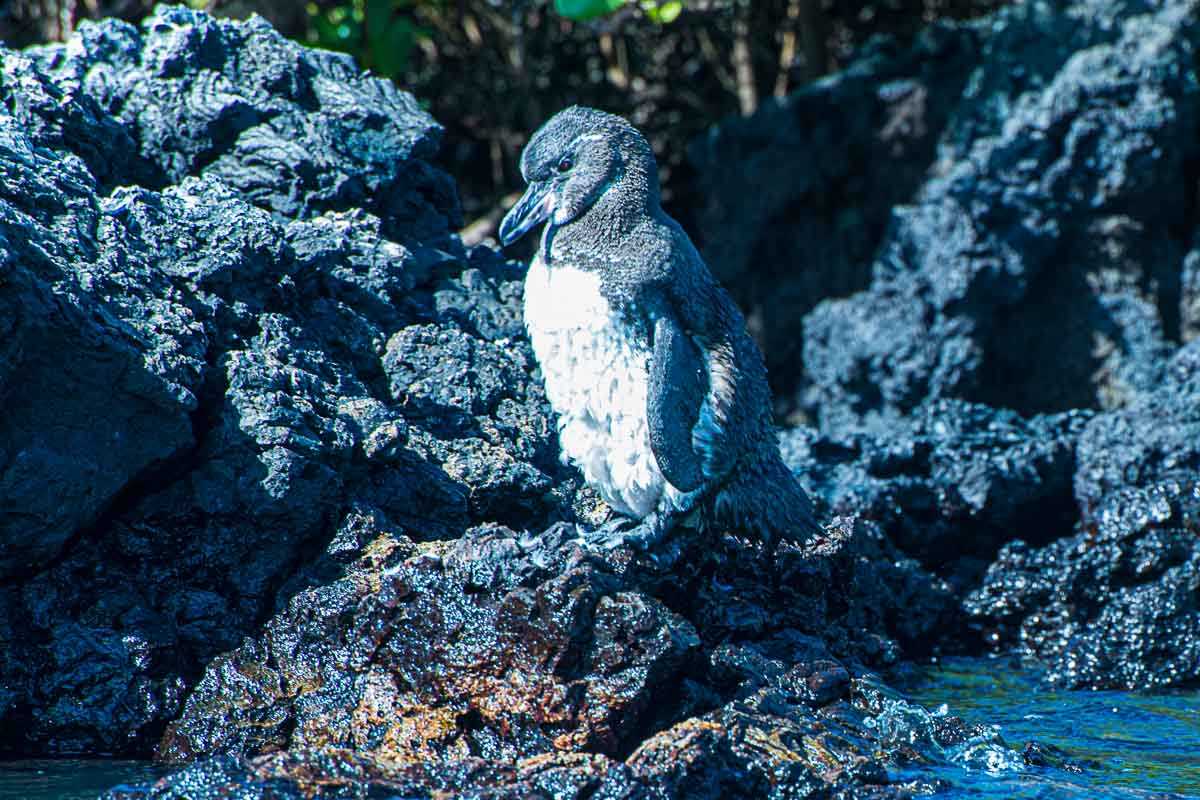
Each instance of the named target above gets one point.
<point>702,443</point>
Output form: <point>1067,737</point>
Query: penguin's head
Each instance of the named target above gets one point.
<point>576,158</point>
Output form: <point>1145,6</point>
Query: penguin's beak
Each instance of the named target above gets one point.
<point>531,210</point>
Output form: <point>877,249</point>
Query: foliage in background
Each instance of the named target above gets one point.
<point>584,10</point>
<point>383,33</point>
<point>380,33</point>
<point>491,71</point>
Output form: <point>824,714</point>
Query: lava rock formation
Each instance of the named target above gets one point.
<point>282,494</point>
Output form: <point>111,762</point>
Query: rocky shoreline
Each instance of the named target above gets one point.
<point>283,499</point>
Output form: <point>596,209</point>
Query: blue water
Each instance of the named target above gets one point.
<point>70,778</point>
<point>1126,746</point>
<point>1130,745</point>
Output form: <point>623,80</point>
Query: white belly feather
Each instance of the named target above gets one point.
<point>596,376</point>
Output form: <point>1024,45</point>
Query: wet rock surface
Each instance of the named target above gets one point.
<point>282,495</point>
<point>400,676</point>
<point>1117,604</point>
<point>413,653</point>
<point>768,745</point>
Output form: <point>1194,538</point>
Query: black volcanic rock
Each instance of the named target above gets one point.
<point>502,666</point>
<point>1118,603</point>
<point>766,748</point>
<point>1025,240</point>
<point>768,743</point>
<point>208,382</point>
<point>1040,270</point>
<point>294,130</point>
<point>258,418</point>
<point>1152,440</point>
<point>282,494</point>
<point>792,202</point>
<point>89,406</point>
<point>950,484</point>
<point>444,655</point>
<point>267,451</point>
<point>502,646</point>
<point>1032,261</point>
<point>1115,605</point>
<point>1189,295</point>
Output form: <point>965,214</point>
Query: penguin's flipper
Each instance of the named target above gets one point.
<point>676,390</point>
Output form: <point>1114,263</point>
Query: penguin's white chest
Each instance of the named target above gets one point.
<point>596,371</point>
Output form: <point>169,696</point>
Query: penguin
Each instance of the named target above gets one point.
<point>660,392</point>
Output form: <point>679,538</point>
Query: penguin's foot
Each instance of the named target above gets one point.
<point>624,531</point>
<point>609,535</point>
<point>653,537</point>
<point>647,533</point>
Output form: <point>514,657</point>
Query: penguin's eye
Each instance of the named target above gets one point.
<point>565,164</point>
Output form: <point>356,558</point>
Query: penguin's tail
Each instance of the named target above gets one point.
<point>766,500</point>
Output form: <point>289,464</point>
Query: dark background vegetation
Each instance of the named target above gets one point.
<point>490,72</point>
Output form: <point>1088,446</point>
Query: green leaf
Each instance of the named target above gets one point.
<point>662,13</point>
<point>581,10</point>
<point>669,12</point>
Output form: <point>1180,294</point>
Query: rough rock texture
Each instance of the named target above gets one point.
<point>1040,271</point>
<point>791,203</point>
<point>1152,440</point>
<point>1039,255</point>
<point>401,677</point>
<point>1118,603</point>
<point>271,432</point>
<point>290,129</point>
<point>504,646</point>
<point>282,494</point>
<point>1189,295</point>
<point>1046,162</point>
<point>772,743</point>
<point>950,484</point>
<point>200,394</point>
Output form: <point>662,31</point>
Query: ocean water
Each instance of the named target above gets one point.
<point>1123,745</point>
<point>70,778</point>
<point>1118,745</point>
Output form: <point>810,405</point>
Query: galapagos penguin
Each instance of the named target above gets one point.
<point>661,394</point>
